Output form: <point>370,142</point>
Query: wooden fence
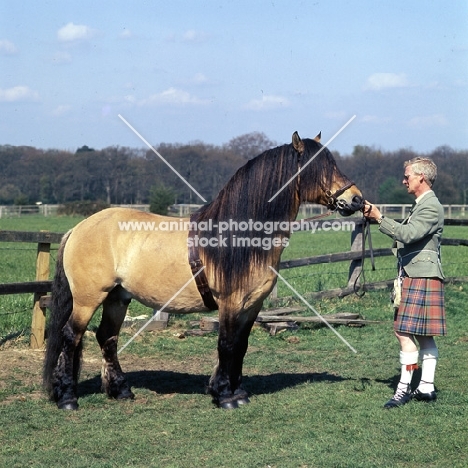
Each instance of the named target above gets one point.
<point>43,285</point>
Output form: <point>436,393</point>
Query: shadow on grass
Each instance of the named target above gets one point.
<point>166,382</point>
<point>392,382</point>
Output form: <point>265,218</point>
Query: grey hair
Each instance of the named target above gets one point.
<point>424,166</point>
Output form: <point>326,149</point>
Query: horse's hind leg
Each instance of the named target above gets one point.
<point>114,309</point>
<point>67,369</point>
<point>66,372</point>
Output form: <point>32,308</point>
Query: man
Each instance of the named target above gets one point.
<point>421,313</point>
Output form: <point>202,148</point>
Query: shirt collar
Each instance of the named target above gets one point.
<point>423,195</point>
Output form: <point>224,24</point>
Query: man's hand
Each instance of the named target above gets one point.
<point>372,212</point>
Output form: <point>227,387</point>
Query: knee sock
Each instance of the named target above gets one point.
<point>409,363</point>
<point>429,361</point>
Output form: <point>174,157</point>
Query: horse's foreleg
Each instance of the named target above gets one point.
<point>114,383</point>
<point>226,382</point>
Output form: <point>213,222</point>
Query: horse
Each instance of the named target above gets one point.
<point>231,247</point>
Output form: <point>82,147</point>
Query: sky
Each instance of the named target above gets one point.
<point>184,71</point>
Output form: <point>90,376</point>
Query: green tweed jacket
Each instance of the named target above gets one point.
<point>417,238</point>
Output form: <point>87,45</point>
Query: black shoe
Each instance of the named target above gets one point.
<point>427,397</point>
<point>399,399</point>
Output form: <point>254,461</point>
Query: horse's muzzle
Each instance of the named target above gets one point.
<point>347,209</point>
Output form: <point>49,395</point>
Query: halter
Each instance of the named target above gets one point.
<point>332,198</point>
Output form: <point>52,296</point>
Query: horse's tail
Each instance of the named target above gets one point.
<point>61,309</point>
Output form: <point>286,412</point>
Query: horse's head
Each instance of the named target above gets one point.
<point>321,181</point>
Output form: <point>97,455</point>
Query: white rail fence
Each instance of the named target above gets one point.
<point>306,210</point>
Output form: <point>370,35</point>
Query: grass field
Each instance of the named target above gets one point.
<point>314,402</point>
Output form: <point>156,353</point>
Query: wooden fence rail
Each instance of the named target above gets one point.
<point>28,287</point>
<point>31,237</point>
<point>352,255</point>
<point>43,285</point>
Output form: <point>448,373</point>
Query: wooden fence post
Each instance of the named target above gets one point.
<point>160,320</point>
<point>39,313</point>
<point>355,267</point>
<point>274,292</point>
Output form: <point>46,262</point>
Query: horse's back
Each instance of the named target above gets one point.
<point>135,249</point>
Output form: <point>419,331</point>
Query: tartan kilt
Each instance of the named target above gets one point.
<point>422,310</point>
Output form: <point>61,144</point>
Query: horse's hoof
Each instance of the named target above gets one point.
<point>228,405</point>
<point>125,395</point>
<point>69,405</point>
<point>241,396</point>
<point>243,401</point>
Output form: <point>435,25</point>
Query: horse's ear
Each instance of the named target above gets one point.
<point>297,143</point>
<point>318,137</point>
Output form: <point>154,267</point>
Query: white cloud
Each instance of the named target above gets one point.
<point>18,94</point>
<point>379,81</point>
<point>126,34</point>
<point>424,121</point>
<point>268,102</point>
<point>61,110</point>
<point>194,36</point>
<point>7,47</point>
<point>74,32</point>
<point>434,85</point>
<point>173,96</point>
<point>200,78</point>
<point>130,99</point>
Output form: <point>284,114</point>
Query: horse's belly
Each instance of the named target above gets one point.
<point>159,276</point>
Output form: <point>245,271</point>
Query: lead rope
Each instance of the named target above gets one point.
<point>360,289</point>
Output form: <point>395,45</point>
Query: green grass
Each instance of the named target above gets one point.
<point>314,402</point>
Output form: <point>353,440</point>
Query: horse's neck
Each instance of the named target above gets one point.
<point>294,209</point>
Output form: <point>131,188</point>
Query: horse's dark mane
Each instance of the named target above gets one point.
<point>247,193</point>
<point>245,197</point>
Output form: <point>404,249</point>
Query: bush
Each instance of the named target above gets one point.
<point>82,208</point>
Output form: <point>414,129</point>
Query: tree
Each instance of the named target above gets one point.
<point>160,199</point>
<point>366,167</point>
<point>84,149</point>
<point>452,170</point>
<point>9,193</point>
<point>121,175</point>
<point>391,191</point>
<point>445,188</point>
<point>46,189</point>
<point>21,200</point>
<point>250,145</point>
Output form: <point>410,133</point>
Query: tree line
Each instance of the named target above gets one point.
<point>122,175</point>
